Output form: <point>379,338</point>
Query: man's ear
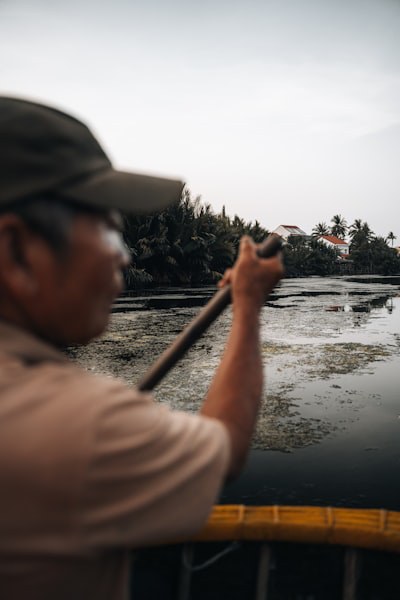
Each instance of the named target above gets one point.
<point>17,268</point>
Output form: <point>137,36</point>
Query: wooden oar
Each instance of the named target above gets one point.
<point>200,323</point>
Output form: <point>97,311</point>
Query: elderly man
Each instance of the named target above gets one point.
<point>90,468</point>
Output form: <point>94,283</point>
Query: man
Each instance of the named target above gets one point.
<point>90,468</point>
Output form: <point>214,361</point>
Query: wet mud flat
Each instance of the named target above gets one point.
<point>329,426</point>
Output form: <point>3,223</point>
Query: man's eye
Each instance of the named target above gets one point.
<point>114,240</point>
<point>115,221</point>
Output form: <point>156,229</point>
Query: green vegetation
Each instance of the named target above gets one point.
<point>339,226</point>
<point>188,244</point>
<point>369,254</point>
<point>304,257</point>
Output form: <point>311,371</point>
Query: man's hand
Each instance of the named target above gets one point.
<point>252,278</point>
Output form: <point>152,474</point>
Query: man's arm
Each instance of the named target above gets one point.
<point>235,392</point>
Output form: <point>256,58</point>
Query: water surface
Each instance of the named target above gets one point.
<point>329,428</point>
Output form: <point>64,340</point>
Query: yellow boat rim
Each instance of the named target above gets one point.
<point>377,529</point>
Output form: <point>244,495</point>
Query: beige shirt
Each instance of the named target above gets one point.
<point>90,468</point>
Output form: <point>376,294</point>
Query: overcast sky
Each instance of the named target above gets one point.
<point>286,111</point>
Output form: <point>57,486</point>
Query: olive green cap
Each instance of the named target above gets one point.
<point>45,150</point>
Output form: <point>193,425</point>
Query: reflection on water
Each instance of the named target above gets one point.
<point>366,306</point>
<point>329,428</point>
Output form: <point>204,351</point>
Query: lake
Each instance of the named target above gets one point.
<point>329,427</point>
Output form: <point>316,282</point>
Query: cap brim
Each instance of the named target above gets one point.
<point>128,192</point>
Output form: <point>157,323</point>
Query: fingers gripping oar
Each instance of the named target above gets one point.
<point>200,323</point>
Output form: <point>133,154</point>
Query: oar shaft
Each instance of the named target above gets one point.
<point>194,330</point>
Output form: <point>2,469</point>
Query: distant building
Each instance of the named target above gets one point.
<point>334,242</point>
<point>285,231</point>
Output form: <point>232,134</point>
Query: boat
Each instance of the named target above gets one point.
<point>278,553</point>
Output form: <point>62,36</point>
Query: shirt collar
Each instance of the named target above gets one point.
<point>26,346</point>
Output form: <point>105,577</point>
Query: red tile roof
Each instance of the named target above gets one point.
<point>333,239</point>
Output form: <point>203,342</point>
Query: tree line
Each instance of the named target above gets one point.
<point>186,244</point>
<point>369,253</point>
<point>189,244</point>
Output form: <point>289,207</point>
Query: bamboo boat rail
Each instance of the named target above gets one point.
<point>377,529</point>
<point>356,531</point>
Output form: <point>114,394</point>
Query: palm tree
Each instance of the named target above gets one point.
<point>339,226</point>
<point>391,237</point>
<point>185,244</point>
<point>256,231</point>
<point>361,246</point>
<point>320,229</point>
<point>367,231</point>
<point>355,228</point>
<point>360,232</point>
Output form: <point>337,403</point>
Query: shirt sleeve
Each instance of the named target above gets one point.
<point>154,474</point>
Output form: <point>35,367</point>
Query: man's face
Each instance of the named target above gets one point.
<point>75,292</point>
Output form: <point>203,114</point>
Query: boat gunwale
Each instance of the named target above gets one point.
<point>376,529</point>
